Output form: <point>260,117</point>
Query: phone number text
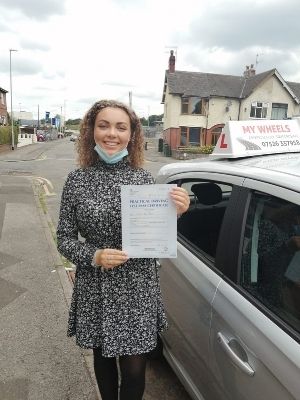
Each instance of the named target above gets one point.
<point>275,143</point>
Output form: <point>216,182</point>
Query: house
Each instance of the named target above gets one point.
<point>3,107</point>
<point>197,105</point>
<point>24,118</point>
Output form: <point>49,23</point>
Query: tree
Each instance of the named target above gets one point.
<point>144,121</point>
<point>154,118</point>
<point>73,121</point>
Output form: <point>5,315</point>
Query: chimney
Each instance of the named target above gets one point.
<point>249,71</point>
<point>172,61</point>
<point>252,70</point>
<point>246,72</point>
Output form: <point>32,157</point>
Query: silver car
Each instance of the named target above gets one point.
<point>233,293</point>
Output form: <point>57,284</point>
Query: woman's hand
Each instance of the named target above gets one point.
<point>110,258</point>
<point>181,199</point>
<point>293,244</point>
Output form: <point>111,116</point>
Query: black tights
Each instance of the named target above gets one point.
<point>132,369</point>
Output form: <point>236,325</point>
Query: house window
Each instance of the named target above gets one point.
<point>183,135</point>
<point>190,136</point>
<point>195,105</point>
<point>259,110</point>
<point>215,134</point>
<point>191,105</point>
<point>194,136</point>
<point>1,98</point>
<point>279,111</point>
<point>184,105</point>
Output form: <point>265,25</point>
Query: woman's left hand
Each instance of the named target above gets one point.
<point>181,199</point>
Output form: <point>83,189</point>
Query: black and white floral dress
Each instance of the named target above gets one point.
<point>119,310</point>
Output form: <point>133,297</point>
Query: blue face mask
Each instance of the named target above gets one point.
<point>110,159</point>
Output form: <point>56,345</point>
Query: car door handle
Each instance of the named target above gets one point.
<point>243,365</point>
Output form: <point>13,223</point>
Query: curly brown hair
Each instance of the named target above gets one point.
<point>86,143</point>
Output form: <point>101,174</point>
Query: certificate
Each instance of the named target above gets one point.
<point>149,221</point>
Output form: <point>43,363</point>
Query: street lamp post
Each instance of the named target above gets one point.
<point>11,104</point>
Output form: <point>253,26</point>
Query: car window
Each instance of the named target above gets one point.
<point>200,225</point>
<point>270,267</point>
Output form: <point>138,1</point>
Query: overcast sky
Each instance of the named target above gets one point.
<point>72,53</point>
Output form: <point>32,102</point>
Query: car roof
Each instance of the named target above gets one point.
<point>279,169</point>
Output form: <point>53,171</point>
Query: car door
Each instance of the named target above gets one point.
<point>189,284</point>
<point>255,331</point>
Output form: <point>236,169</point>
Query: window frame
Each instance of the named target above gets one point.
<point>185,101</point>
<point>259,107</point>
<point>232,265</point>
<point>187,128</point>
<point>275,316</point>
<point>212,263</point>
<point>188,105</point>
<point>183,134</point>
<point>278,106</point>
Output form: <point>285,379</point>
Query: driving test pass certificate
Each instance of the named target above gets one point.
<point>149,221</point>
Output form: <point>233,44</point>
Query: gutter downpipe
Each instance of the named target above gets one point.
<point>240,98</point>
<point>207,114</point>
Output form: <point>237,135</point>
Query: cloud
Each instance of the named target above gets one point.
<point>235,25</point>
<point>36,8</point>
<point>54,75</point>
<point>20,66</point>
<point>30,44</point>
<point>225,36</point>
<point>129,3</point>
<point>118,84</point>
<point>4,27</point>
<point>154,96</point>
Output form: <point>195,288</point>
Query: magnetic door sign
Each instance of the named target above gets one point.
<point>149,221</point>
<point>252,138</point>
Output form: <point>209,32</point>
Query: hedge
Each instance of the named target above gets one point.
<point>199,150</point>
<point>5,134</point>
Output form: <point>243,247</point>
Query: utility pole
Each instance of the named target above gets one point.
<point>11,104</point>
<point>38,124</point>
<point>60,125</point>
<point>130,99</point>
<point>64,115</point>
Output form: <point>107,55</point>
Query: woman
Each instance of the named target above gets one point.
<point>116,306</point>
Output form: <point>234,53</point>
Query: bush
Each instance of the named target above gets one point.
<point>5,134</point>
<point>72,127</point>
<point>207,149</point>
<point>199,149</point>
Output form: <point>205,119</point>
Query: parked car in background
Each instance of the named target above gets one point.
<point>40,137</point>
<point>232,295</point>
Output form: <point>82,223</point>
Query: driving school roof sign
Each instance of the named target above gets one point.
<point>252,138</point>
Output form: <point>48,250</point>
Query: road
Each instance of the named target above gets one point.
<point>51,162</point>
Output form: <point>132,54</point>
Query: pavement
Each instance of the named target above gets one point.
<point>37,360</point>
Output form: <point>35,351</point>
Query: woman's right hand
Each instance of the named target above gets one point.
<point>110,258</point>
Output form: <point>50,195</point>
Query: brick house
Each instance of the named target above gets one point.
<point>197,105</point>
<point>3,107</point>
